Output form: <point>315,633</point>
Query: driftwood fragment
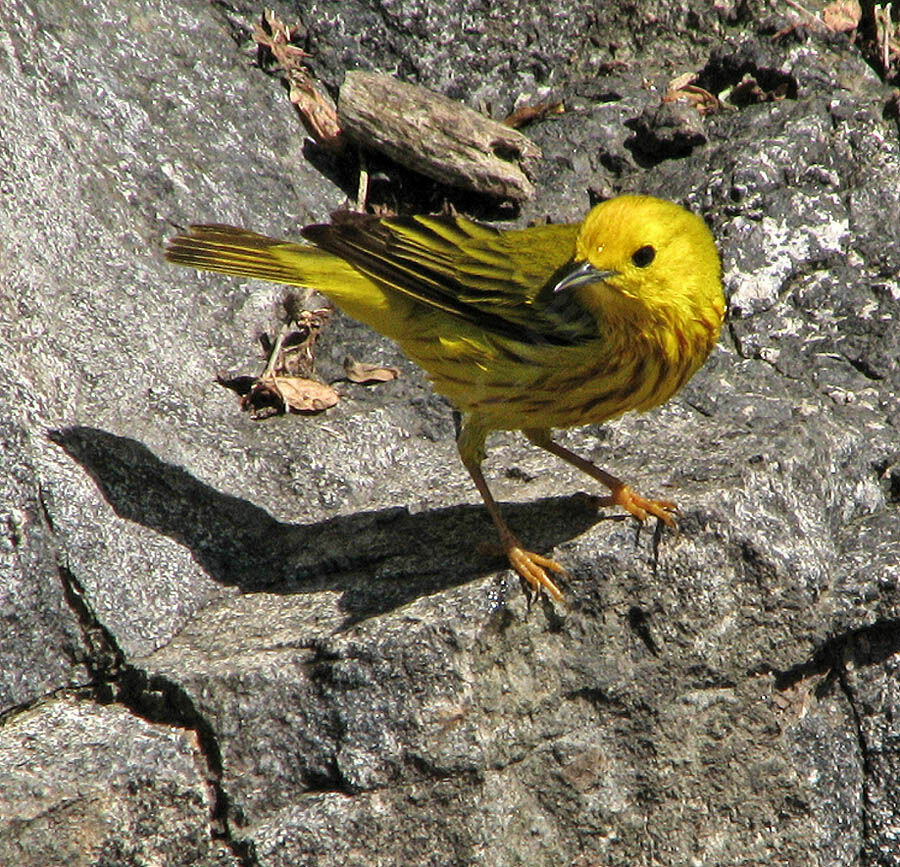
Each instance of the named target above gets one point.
<point>437,136</point>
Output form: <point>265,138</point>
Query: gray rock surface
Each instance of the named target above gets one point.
<point>265,643</point>
<point>86,783</point>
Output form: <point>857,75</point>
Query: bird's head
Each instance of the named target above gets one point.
<point>642,257</point>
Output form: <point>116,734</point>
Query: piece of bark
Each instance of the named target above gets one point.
<point>437,136</point>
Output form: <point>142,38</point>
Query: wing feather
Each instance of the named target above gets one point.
<point>500,280</point>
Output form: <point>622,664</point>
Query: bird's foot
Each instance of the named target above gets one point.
<point>532,569</point>
<point>632,502</point>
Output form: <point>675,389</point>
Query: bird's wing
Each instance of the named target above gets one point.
<point>500,280</point>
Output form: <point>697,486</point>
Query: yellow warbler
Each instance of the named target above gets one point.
<point>530,329</point>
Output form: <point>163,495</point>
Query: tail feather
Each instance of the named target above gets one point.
<point>242,253</point>
<point>230,250</point>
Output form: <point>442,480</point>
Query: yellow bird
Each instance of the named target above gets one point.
<point>529,329</point>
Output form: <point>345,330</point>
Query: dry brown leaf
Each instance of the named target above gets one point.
<point>316,109</point>
<point>359,371</point>
<point>842,16</point>
<point>303,395</point>
<point>266,396</point>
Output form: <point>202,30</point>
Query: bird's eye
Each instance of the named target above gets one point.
<point>643,256</point>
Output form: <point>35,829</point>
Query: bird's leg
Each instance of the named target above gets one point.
<point>530,566</point>
<point>621,494</point>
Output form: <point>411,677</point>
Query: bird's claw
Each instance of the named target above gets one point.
<point>532,568</point>
<point>641,508</point>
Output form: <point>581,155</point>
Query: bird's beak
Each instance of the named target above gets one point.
<point>581,275</point>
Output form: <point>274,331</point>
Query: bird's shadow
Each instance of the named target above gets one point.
<point>377,560</point>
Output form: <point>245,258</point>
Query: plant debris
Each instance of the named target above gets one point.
<point>842,16</point>
<point>424,131</point>
<point>366,374</point>
<point>287,384</point>
<point>887,37</point>
<point>315,107</point>
<point>293,393</point>
<point>293,353</point>
<point>683,89</point>
<point>529,113</point>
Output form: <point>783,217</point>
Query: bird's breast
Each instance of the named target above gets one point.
<point>516,385</point>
